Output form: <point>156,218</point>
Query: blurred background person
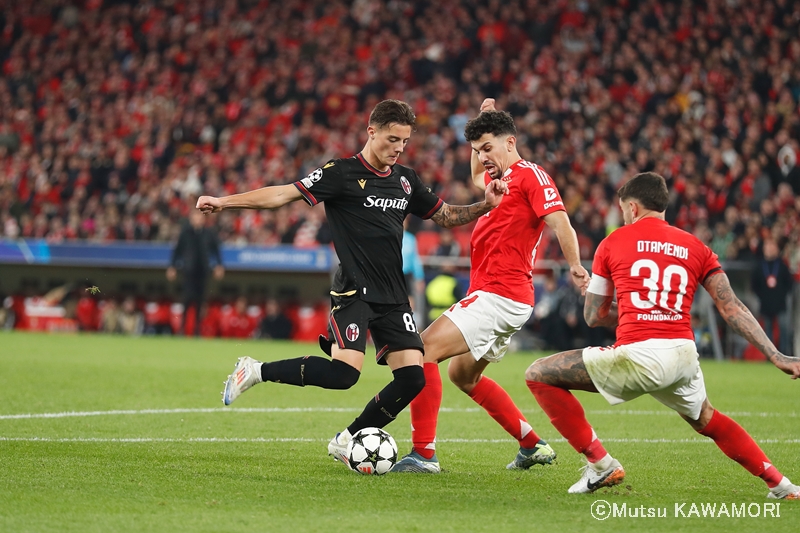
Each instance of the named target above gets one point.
<point>772,282</point>
<point>413,272</point>
<point>448,245</point>
<point>196,254</point>
<point>275,324</point>
<point>443,291</point>
<point>238,321</point>
<point>124,318</point>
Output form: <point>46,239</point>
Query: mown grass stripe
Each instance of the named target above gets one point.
<point>135,440</point>
<point>130,412</point>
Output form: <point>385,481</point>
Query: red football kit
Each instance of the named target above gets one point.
<point>656,269</point>
<point>504,241</point>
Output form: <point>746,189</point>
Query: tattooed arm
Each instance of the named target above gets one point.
<point>600,310</point>
<point>449,216</point>
<point>739,317</point>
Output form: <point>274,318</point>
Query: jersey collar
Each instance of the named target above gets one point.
<point>371,168</point>
<point>511,168</point>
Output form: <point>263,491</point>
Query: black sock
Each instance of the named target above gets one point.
<point>387,404</point>
<point>309,370</point>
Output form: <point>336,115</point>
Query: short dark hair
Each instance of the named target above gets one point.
<point>392,112</point>
<point>649,189</point>
<point>497,123</point>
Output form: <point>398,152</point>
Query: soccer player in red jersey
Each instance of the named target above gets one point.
<point>655,270</point>
<point>477,330</point>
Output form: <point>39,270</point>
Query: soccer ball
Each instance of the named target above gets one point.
<point>371,451</point>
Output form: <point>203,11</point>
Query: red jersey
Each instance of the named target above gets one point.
<point>656,269</point>
<point>504,241</point>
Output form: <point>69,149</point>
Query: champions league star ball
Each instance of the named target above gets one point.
<point>371,451</point>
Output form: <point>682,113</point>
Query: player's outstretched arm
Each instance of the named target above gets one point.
<point>739,317</point>
<point>559,223</point>
<point>263,198</point>
<point>450,216</point>
<point>600,310</point>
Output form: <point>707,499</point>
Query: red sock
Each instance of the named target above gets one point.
<point>425,412</point>
<point>568,417</point>
<point>492,397</point>
<point>737,444</point>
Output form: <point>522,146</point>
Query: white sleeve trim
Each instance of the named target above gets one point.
<point>600,285</point>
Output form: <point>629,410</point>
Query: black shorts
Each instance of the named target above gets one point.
<point>391,325</point>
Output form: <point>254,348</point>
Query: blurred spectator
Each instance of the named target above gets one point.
<point>448,245</point>
<point>722,239</point>
<point>7,314</point>
<point>157,318</point>
<point>412,269</point>
<point>311,230</point>
<point>559,313</point>
<point>112,114</point>
<point>443,291</point>
<point>238,321</point>
<point>772,282</point>
<point>197,253</point>
<point>275,324</point>
<point>124,319</point>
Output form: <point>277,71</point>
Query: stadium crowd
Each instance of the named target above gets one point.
<point>114,114</point>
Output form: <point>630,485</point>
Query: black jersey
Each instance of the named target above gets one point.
<point>365,210</point>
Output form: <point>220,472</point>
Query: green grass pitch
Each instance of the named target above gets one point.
<point>103,433</point>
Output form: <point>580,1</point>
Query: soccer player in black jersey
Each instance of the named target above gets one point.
<point>366,197</point>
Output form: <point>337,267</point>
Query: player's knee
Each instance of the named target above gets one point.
<point>343,376</point>
<point>534,372</point>
<point>703,419</point>
<point>462,378</point>
<point>411,380</point>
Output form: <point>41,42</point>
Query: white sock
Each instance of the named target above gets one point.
<point>602,464</point>
<point>783,485</point>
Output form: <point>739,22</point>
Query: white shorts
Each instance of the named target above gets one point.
<point>487,322</point>
<point>666,369</point>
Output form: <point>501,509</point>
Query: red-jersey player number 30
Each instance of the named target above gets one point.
<point>656,283</point>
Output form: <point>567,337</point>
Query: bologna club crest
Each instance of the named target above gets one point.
<point>406,185</point>
<point>351,332</point>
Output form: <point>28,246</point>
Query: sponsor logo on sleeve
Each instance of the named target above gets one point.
<point>550,196</point>
<point>312,178</point>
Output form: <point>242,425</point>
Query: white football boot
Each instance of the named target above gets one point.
<point>592,479</point>
<point>337,447</point>
<point>784,491</point>
<point>246,373</point>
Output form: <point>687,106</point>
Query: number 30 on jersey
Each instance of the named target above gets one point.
<point>657,283</point>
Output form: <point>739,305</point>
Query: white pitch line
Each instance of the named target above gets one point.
<point>117,412</point>
<point>261,440</point>
<point>672,413</point>
<point>129,412</point>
